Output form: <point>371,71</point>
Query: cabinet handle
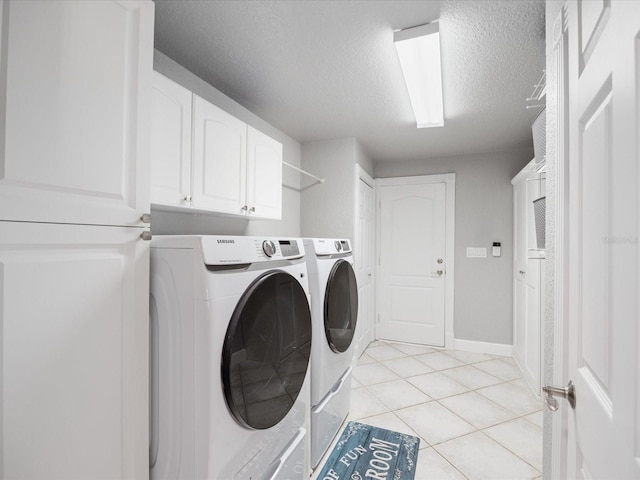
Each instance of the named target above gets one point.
<point>187,198</point>
<point>145,218</point>
<point>146,235</point>
<point>252,209</point>
<point>244,209</point>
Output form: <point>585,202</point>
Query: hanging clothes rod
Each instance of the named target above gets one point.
<point>321,180</point>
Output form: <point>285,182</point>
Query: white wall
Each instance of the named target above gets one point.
<point>184,223</point>
<point>483,309</point>
<point>328,208</point>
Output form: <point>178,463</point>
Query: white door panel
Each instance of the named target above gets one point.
<point>264,175</point>
<point>413,238</point>
<point>603,431</point>
<point>219,159</point>
<point>170,143</point>
<point>364,257</point>
<point>74,351</point>
<point>74,139</point>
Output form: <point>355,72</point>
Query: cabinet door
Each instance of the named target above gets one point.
<point>219,159</point>
<point>74,309</point>
<point>74,133</point>
<point>264,175</point>
<point>170,143</point>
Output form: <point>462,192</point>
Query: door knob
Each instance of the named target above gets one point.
<point>551,391</point>
<point>438,273</point>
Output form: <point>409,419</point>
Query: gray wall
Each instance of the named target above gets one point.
<point>185,223</point>
<point>484,214</point>
<point>328,209</point>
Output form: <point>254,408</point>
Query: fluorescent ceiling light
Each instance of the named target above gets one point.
<point>419,52</point>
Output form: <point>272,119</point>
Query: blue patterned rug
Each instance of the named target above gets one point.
<point>366,452</point>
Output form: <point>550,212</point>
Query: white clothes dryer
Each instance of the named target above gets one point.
<point>230,347</point>
<point>334,312</point>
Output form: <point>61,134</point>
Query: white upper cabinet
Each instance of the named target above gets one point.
<point>74,134</point>
<point>170,143</point>
<point>264,175</point>
<point>235,169</point>
<point>219,159</point>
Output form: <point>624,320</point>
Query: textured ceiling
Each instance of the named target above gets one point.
<point>320,70</point>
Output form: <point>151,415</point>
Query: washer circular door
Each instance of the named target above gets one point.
<point>266,350</point>
<point>341,306</point>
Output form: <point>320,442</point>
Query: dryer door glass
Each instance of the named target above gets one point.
<point>341,306</point>
<point>266,350</point>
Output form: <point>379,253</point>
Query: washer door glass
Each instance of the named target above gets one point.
<point>266,350</point>
<point>341,306</point>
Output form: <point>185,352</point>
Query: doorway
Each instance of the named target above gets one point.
<point>415,259</point>
<point>364,258</point>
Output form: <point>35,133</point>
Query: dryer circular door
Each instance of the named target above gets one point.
<point>266,350</point>
<point>341,306</point>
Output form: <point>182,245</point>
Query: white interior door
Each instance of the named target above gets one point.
<point>604,429</point>
<point>412,267</point>
<point>364,258</point>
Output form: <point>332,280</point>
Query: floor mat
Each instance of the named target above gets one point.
<point>364,451</point>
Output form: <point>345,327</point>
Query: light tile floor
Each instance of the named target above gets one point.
<point>475,416</point>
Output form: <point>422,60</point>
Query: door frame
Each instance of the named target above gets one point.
<point>556,323</point>
<point>449,179</point>
<point>361,174</point>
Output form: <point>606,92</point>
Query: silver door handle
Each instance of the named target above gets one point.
<point>438,273</point>
<point>145,218</point>
<point>146,235</point>
<point>186,198</point>
<point>252,209</point>
<point>568,392</point>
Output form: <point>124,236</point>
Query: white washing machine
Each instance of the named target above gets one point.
<point>230,347</point>
<point>334,312</point>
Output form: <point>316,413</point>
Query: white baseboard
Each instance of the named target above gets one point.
<point>449,341</point>
<point>483,347</point>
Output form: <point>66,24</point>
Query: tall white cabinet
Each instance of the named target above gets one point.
<point>528,277</point>
<point>74,255</point>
